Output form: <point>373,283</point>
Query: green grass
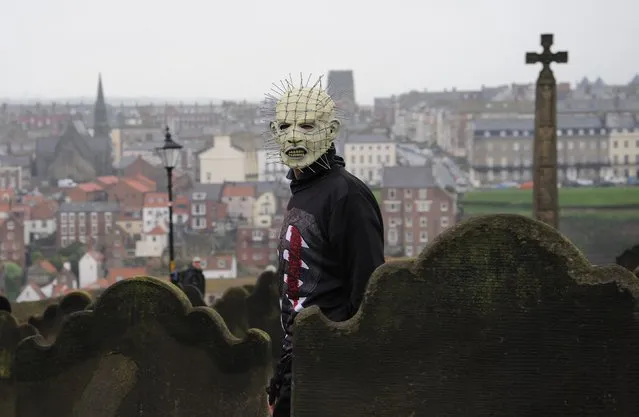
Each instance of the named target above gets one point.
<point>582,196</point>
<point>470,210</point>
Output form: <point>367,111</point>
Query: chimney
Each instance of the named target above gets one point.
<point>67,266</point>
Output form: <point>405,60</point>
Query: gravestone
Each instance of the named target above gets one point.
<point>629,259</point>
<point>49,323</point>
<point>194,295</point>
<point>143,350</point>
<point>231,306</point>
<point>545,194</point>
<point>11,333</point>
<point>248,287</point>
<point>75,301</point>
<point>5,304</point>
<point>501,316</point>
<point>263,310</point>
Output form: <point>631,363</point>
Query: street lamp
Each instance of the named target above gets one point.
<point>170,154</point>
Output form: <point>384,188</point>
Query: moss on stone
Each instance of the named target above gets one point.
<point>141,302</point>
<point>493,297</point>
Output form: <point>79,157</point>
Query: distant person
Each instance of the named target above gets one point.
<point>194,276</point>
<point>332,237</point>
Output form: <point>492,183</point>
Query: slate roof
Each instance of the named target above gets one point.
<point>97,206</point>
<point>367,138</point>
<point>408,177</point>
<point>212,191</point>
<point>564,121</point>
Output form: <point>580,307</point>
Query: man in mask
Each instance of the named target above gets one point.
<point>332,238</point>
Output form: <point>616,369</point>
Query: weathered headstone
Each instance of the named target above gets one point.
<point>545,195</point>
<point>75,301</point>
<point>49,323</point>
<point>629,259</point>
<point>263,309</point>
<point>143,351</point>
<point>5,304</point>
<point>194,295</point>
<point>11,334</point>
<point>231,306</point>
<point>500,316</point>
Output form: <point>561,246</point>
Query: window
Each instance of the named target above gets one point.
<point>257,256</point>
<point>409,207</point>
<point>258,234</point>
<point>408,193</point>
<point>423,206</point>
<point>71,217</point>
<point>443,206</point>
<point>444,221</point>
<point>423,237</point>
<point>10,225</point>
<point>107,217</point>
<point>423,221</point>
<point>392,193</point>
<point>94,229</point>
<point>94,217</point>
<point>515,146</point>
<point>571,145</point>
<point>408,251</point>
<point>392,236</point>
<point>408,222</point>
<point>72,229</point>
<point>408,237</point>
<point>615,144</point>
<point>63,229</point>
<point>10,236</point>
<point>209,176</point>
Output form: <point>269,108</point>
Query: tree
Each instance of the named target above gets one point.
<point>12,280</point>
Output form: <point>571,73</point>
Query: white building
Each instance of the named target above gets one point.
<point>366,156</point>
<point>153,243</point>
<point>264,209</point>
<point>269,167</point>
<point>90,268</point>
<point>225,267</point>
<point>222,162</point>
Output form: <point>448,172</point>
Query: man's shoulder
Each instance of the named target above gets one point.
<point>350,185</point>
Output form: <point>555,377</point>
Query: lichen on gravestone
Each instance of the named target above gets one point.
<point>143,348</point>
<point>231,306</point>
<point>500,316</point>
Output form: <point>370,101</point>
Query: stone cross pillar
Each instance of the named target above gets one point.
<point>545,195</point>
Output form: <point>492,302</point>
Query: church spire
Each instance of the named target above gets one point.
<point>100,118</point>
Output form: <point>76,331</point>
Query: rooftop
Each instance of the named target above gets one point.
<point>89,206</point>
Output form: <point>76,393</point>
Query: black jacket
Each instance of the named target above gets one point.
<point>331,241</point>
<point>195,277</point>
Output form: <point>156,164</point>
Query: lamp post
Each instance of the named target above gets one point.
<point>170,154</point>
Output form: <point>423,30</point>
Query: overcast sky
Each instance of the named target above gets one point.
<point>234,49</point>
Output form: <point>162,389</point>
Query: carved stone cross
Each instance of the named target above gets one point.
<point>545,195</point>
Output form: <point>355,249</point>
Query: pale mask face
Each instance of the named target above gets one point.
<point>305,126</point>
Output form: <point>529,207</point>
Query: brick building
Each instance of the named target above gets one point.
<point>205,207</point>
<point>416,206</point>
<point>129,191</point>
<point>256,247</point>
<point>86,222</point>
<point>88,191</point>
<point>12,240</point>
